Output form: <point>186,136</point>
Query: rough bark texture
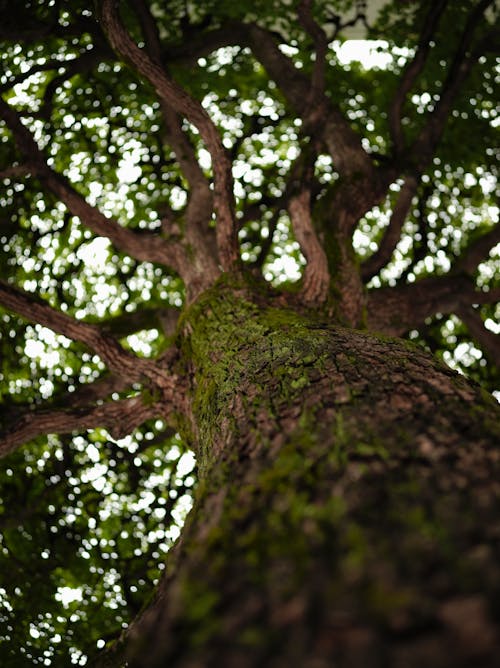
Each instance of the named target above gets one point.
<point>347,513</point>
<point>348,504</point>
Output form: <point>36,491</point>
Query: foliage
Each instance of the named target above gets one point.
<point>91,515</point>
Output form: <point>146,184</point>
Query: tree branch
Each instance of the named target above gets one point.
<point>489,341</point>
<point>412,71</point>
<point>477,251</point>
<point>16,171</point>
<point>316,282</point>
<point>425,144</point>
<point>199,209</point>
<point>321,47</point>
<point>144,246</point>
<point>90,393</point>
<point>392,233</point>
<point>179,100</point>
<point>119,417</point>
<point>420,246</point>
<point>119,361</point>
<point>35,310</point>
<point>177,138</point>
<point>316,275</point>
<point>326,121</point>
<point>396,310</point>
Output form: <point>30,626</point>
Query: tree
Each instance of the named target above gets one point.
<point>162,164</point>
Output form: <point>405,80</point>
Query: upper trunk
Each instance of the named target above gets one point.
<point>347,510</point>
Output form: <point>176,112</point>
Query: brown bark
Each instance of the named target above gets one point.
<point>347,510</point>
<point>347,506</point>
<point>120,417</point>
<point>316,275</point>
<point>177,99</point>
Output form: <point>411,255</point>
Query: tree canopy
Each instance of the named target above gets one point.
<point>146,150</point>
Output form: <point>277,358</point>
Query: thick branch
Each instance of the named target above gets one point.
<point>118,360</point>
<point>321,47</point>
<point>420,245</point>
<point>392,233</point>
<point>143,246</point>
<point>177,138</point>
<point>35,310</point>
<point>477,251</point>
<point>462,63</point>
<point>90,393</point>
<point>326,120</point>
<point>179,100</point>
<point>200,204</point>
<point>323,120</point>
<point>396,310</point>
<point>197,44</point>
<point>119,417</point>
<point>412,71</point>
<point>489,341</point>
<point>316,275</point>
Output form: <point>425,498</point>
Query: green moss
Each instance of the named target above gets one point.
<point>233,343</point>
<point>330,503</point>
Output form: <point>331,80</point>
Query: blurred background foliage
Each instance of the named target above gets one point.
<point>85,521</point>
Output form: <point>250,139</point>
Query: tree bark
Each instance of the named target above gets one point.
<point>347,509</point>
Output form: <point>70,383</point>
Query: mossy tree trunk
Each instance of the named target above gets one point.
<point>348,504</point>
<point>348,508</point>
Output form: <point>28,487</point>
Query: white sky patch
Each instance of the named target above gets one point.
<point>204,158</point>
<point>492,326</point>
<point>364,51</point>
<point>128,170</point>
<point>95,254</point>
<point>186,464</point>
<point>284,268</point>
<point>68,595</point>
<point>95,189</point>
<point>140,343</point>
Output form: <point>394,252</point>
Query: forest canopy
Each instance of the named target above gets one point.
<point>104,190</point>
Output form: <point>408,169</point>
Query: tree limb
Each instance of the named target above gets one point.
<point>89,393</point>
<point>144,246</point>
<point>16,171</point>
<point>321,47</point>
<point>396,310</point>
<point>412,71</point>
<point>177,138</point>
<point>477,251</point>
<point>120,417</point>
<point>392,233</point>
<point>178,99</point>
<point>121,362</point>
<point>198,213</point>
<point>463,60</point>
<point>316,281</point>
<point>113,355</point>
<point>326,120</point>
<point>164,318</point>
<point>316,274</point>
<point>489,341</point>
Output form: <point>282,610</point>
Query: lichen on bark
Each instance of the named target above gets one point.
<point>347,504</point>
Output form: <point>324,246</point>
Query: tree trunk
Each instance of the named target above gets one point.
<point>347,512</point>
